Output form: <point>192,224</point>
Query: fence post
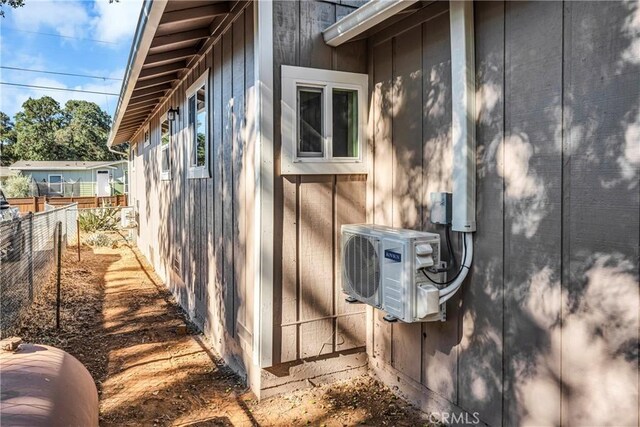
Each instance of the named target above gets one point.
<point>59,267</point>
<point>30,255</point>
<point>78,234</point>
<point>35,204</point>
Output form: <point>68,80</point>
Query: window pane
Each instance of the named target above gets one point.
<point>309,122</point>
<point>165,158</point>
<point>197,124</point>
<point>164,145</point>
<point>345,123</point>
<point>55,183</point>
<point>201,128</point>
<point>164,132</point>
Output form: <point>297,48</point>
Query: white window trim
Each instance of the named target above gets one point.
<point>196,172</point>
<point>134,153</point>
<point>165,175</point>
<point>292,78</point>
<point>61,183</point>
<point>146,133</point>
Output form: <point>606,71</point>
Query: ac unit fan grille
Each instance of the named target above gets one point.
<point>361,264</point>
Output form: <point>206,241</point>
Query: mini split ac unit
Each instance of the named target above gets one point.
<point>386,267</point>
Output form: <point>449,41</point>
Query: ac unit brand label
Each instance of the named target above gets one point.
<point>393,256</point>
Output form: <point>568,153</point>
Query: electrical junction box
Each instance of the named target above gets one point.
<point>440,208</point>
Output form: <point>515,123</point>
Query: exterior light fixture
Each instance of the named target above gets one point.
<point>172,113</point>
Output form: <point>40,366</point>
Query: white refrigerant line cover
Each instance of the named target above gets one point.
<point>463,92</point>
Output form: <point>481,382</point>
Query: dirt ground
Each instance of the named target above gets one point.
<point>152,368</point>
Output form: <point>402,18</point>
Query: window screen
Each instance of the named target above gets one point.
<point>310,140</point>
<point>345,123</point>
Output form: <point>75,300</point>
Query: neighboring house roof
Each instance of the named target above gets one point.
<point>170,37</point>
<point>5,172</point>
<point>27,165</point>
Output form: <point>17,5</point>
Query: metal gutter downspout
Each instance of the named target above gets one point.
<point>362,19</point>
<point>148,22</point>
<point>122,153</point>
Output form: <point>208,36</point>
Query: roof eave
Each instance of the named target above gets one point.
<point>362,19</point>
<point>148,23</point>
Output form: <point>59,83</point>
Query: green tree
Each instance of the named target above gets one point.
<point>12,3</point>
<point>8,139</point>
<point>44,131</point>
<point>36,127</point>
<point>84,132</point>
<point>17,186</point>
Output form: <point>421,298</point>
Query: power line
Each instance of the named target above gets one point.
<point>59,35</point>
<point>59,73</point>
<point>59,88</point>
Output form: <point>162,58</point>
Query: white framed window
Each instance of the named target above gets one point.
<point>146,136</point>
<point>323,121</point>
<point>132,156</point>
<point>165,148</point>
<point>55,183</point>
<point>198,127</point>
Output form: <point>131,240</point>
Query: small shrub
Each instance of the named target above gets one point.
<point>101,219</point>
<point>17,186</point>
<point>99,239</point>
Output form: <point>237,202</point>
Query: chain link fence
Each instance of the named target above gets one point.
<point>28,256</point>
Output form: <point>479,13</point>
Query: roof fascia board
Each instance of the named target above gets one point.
<point>362,19</point>
<point>148,23</point>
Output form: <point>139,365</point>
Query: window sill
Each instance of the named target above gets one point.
<point>323,167</point>
<point>198,173</point>
<point>165,176</point>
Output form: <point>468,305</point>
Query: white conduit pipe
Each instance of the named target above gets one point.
<point>463,92</point>
<point>467,256</point>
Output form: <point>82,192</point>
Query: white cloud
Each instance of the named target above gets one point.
<point>115,21</point>
<point>100,20</point>
<point>69,19</point>
<point>110,22</point>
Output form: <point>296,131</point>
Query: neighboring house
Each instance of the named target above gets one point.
<point>75,178</point>
<point>258,128</point>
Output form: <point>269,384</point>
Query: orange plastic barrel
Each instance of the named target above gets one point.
<point>45,386</point>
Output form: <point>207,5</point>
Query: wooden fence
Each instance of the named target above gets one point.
<point>36,204</point>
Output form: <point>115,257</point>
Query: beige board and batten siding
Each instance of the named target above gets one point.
<point>545,329</point>
<point>311,318</point>
<point>196,232</point>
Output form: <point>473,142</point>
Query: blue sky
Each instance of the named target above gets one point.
<point>76,25</point>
